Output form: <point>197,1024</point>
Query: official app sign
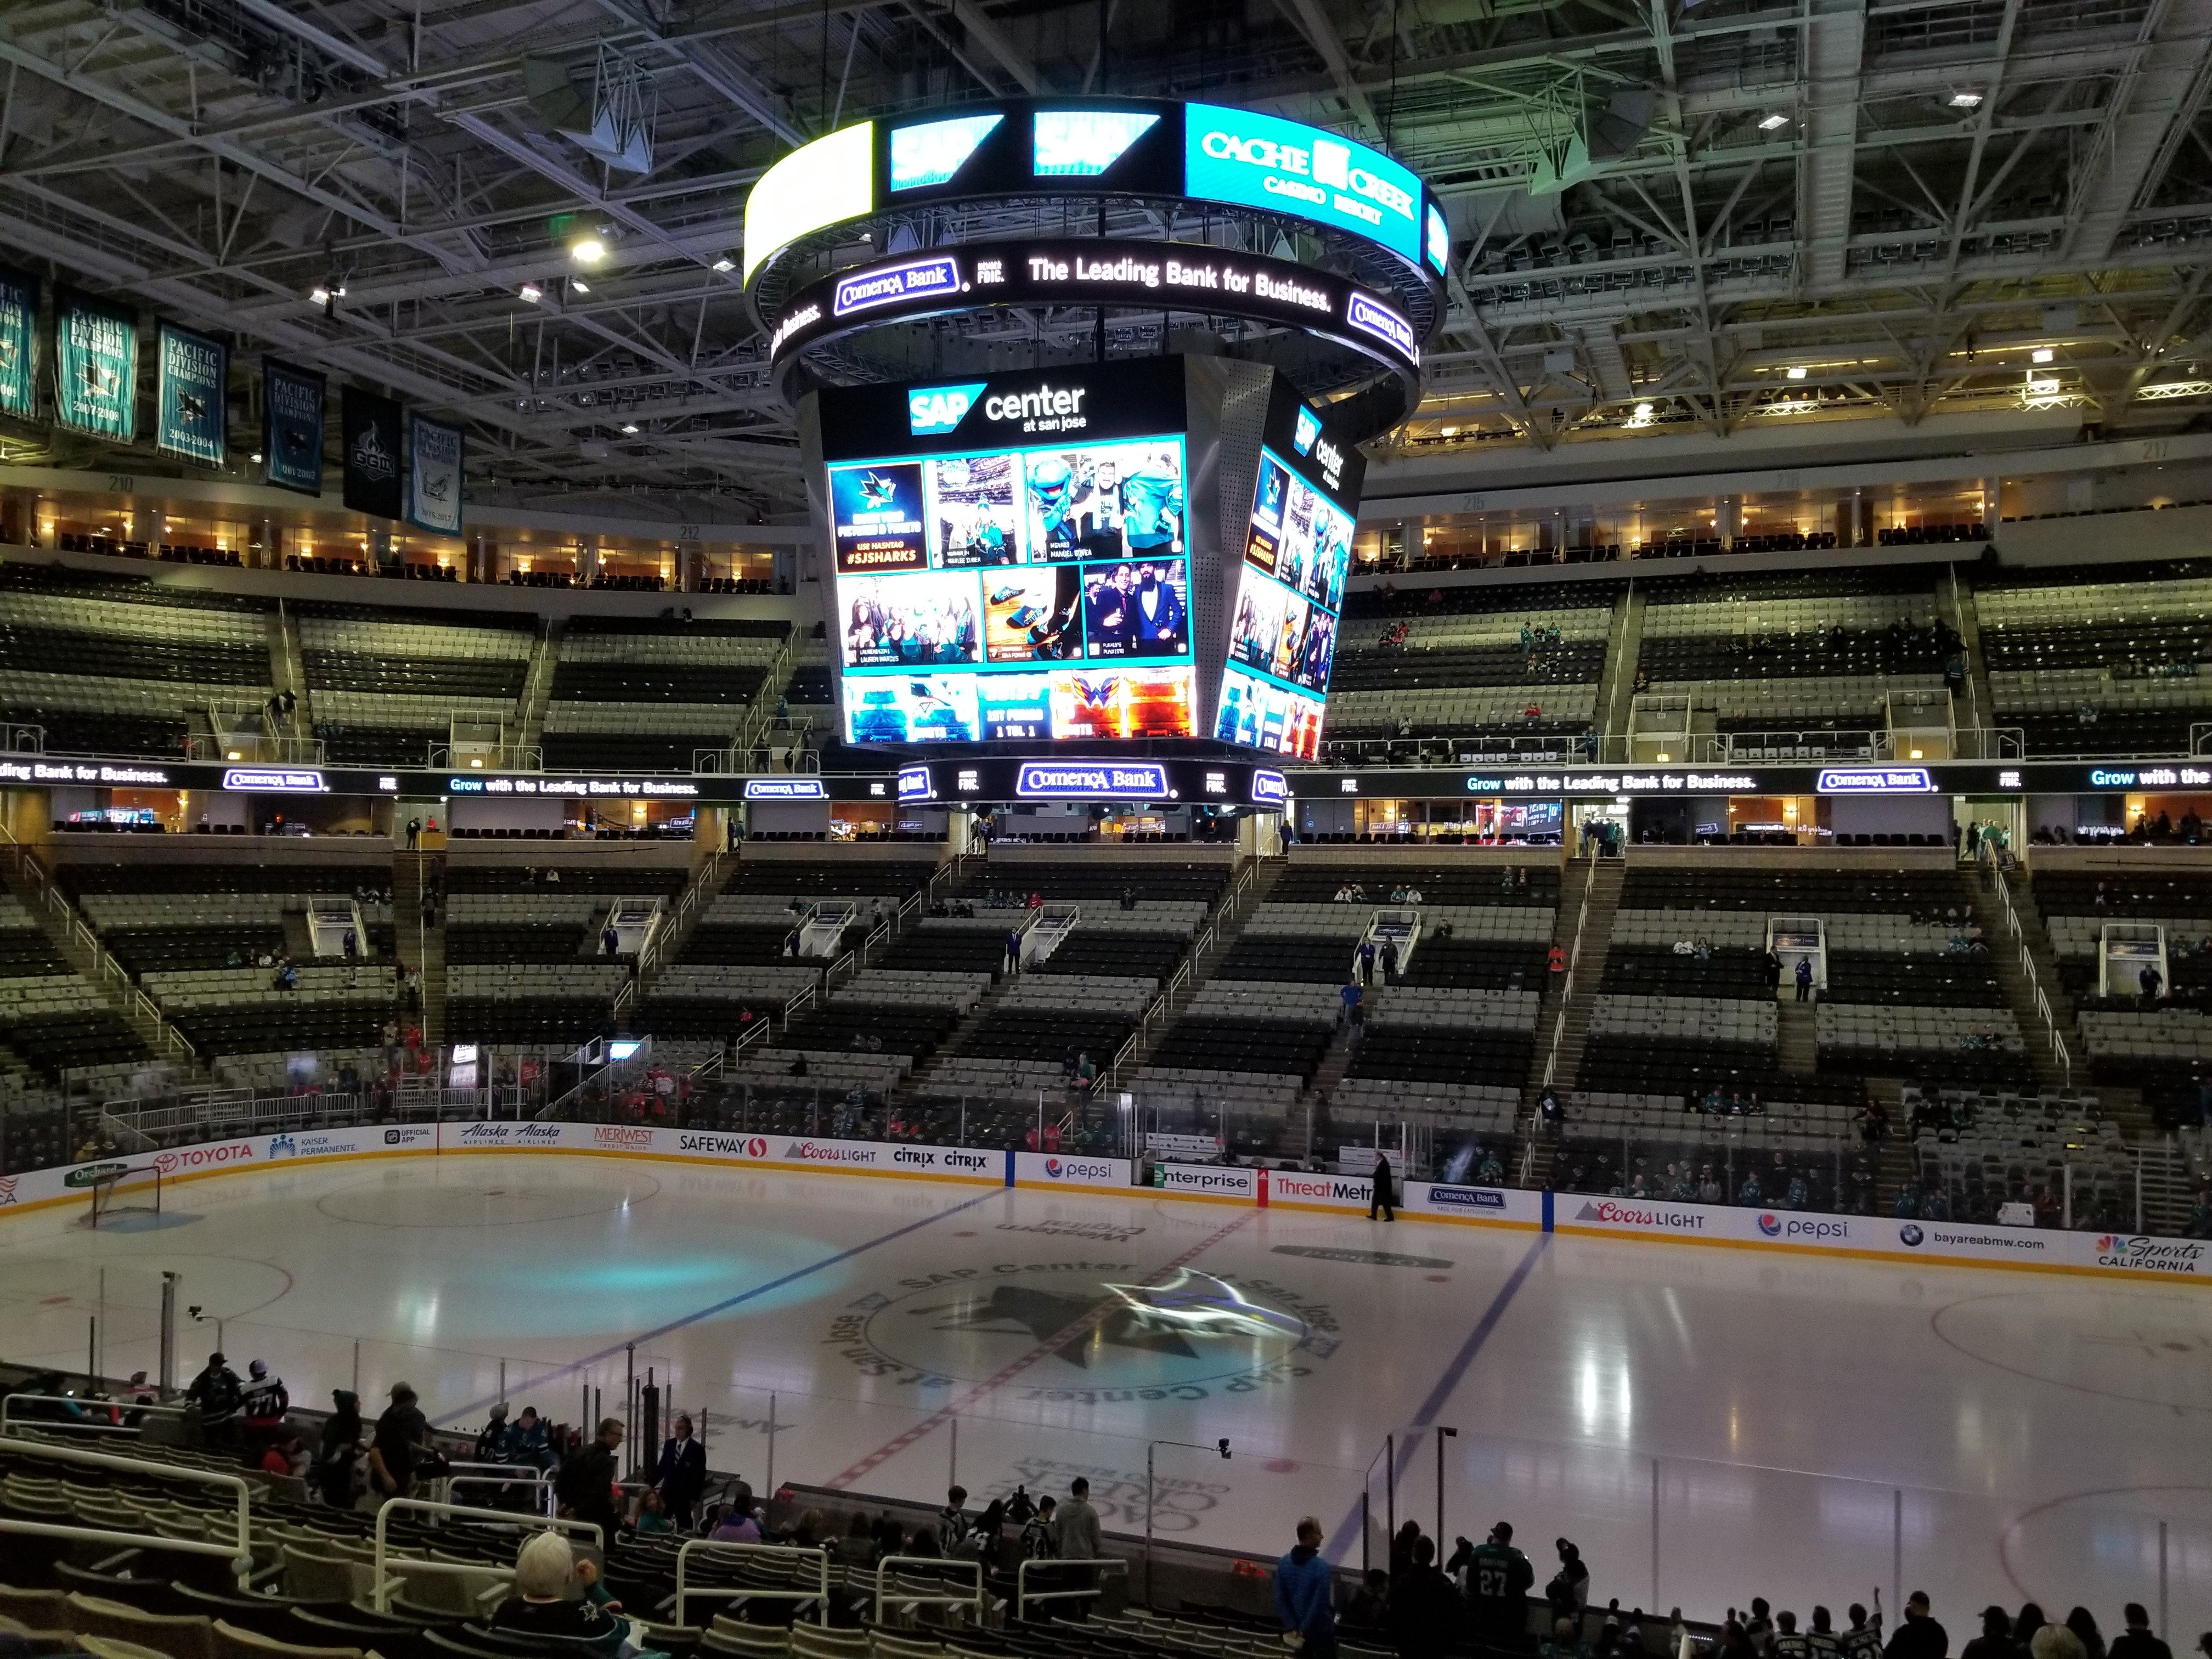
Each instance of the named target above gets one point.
<point>1256,161</point>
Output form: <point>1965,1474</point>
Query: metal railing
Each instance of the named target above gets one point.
<point>1574,960</point>
<point>239,1552</point>
<point>782,1554</point>
<point>18,1419</point>
<point>501,1474</point>
<point>978,1600</point>
<point>2019,935</point>
<point>1023,1594</point>
<point>501,757</point>
<point>255,746</point>
<point>383,1558</point>
<point>23,739</point>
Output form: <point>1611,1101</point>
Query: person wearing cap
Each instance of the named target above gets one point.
<point>493,1446</point>
<point>333,1474</point>
<point>215,1391</point>
<point>401,1433</point>
<point>263,1406</point>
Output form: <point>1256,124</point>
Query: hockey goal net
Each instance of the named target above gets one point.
<point>119,1193</point>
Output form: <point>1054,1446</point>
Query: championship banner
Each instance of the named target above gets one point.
<point>193,387</point>
<point>371,453</point>
<point>292,427</point>
<point>434,476</point>
<point>19,335</point>
<point>95,367</point>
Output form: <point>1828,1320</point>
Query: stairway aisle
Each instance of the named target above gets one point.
<point>419,947</point>
<point>1600,879</point>
<point>1225,934</point>
<point>1796,1034</point>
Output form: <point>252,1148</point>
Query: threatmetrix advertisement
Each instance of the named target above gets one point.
<point>1012,556</point>
<point>1290,597</point>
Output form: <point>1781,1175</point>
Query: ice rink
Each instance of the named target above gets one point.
<point>1708,1424</point>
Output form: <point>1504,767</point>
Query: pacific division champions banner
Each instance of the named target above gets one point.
<point>95,367</point>
<point>193,385</point>
<point>434,476</point>
<point>292,439</point>
<point>19,334</point>
<point>371,453</point>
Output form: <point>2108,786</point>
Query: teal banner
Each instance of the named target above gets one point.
<point>95,367</point>
<point>194,380</point>
<point>19,336</point>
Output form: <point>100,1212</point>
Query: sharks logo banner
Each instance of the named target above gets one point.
<point>434,476</point>
<point>95,367</point>
<point>292,434</point>
<point>193,382</point>
<point>19,334</point>
<point>371,453</point>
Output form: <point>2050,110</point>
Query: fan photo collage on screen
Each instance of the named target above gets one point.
<point>1030,594</point>
<point>1282,637</point>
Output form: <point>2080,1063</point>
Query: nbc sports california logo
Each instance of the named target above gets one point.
<point>7,1190</point>
<point>2154,1255</point>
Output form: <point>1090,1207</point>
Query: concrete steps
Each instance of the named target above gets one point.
<point>1798,1049</point>
<point>82,947</point>
<point>419,947</point>
<point>1226,926</point>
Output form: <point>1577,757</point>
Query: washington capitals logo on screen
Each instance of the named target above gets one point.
<point>1308,429</point>
<point>932,410</point>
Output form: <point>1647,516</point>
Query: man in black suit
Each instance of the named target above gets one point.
<point>683,1475</point>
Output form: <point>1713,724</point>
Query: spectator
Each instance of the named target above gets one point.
<point>1556,960</point>
<point>683,1473</point>
<point>1788,1643</point>
<point>651,1514</point>
<point>263,1406</point>
<point>2082,1621</point>
<point>2026,1623</point>
<point>1864,1639</point>
<point>1367,962</point>
<point>494,1444</point>
<point>1565,1642</point>
<point>2149,980</point>
<point>397,1449</point>
<point>952,1519</point>
<point>1568,1591</point>
<point>217,1391</point>
<point>1401,1549</point>
<point>545,1569</point>
<point>857,1548</point>
<point>1013,952</point>
<point>1369,1607</point>
<point>1919,1637</point>
<point>1076,1531</point>
<point>1821,1639</point>
<point>1424,1607</point>
<point>2136,1642</point>
<point>1498,1580</point>
<point>1351,995</point>
<point>584,1486</point>
<point>1995,1640</point>
<point>737,1525</point>
<point>1804,978</point>
<point>336,1476</point>
<point>2056,1641</point>
<point>1035,1543</point>
<point>1379,1195</point>
<point>1305,1595</point>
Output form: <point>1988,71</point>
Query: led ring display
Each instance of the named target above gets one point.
<point>1385,225</point>
<point>1155,276</point>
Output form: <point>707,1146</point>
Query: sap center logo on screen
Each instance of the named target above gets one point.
<point>934,411</point>
<point>1308,429</point>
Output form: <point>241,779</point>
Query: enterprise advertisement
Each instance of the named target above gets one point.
<point>1004,573</point>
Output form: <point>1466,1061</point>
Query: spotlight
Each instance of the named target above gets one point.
<point>257,458</point>
<point>587,249</point>
<point>1796,371</point>
<point>530,294</point>
<point>2042,355</point>
<point>320,294</point>
<point>630,428</point>
<point>1768,123</point>
<point>1965,97</point>
<point>725,265</point>
<point>578,285</point>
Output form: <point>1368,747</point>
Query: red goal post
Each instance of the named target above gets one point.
<point>132,1190</point>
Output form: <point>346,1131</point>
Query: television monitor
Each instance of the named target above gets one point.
<point>1013,558</point>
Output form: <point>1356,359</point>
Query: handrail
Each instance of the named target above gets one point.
<point>977,1600</point>
<point>2034,984</point>
<point>1024,1595</point>
<point>239,1555</point>
<point>19,1419</point>
<point>382,1592</point>
<point>505,1474</point>
<point>777,1551</point>
<point>1567,984</point>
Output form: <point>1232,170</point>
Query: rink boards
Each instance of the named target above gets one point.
<point>1866,1237</point>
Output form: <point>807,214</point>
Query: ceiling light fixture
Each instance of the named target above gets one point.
<point>724,266</point>
<point>320,294</point>
<point>1769,122</point>
<point>1796,371</point>
<point>1965,97</point>
<point>587,249</point>
<point>530,294</point>
<point>630,428</point>
<point>578,285</point>
<point>2041,354</point>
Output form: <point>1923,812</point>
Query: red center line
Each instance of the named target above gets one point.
<point>1014,1368</point>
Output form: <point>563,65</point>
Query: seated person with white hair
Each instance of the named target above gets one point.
<point>552,1597</point>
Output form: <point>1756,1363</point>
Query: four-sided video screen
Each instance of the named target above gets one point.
<point>1013,561</point>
